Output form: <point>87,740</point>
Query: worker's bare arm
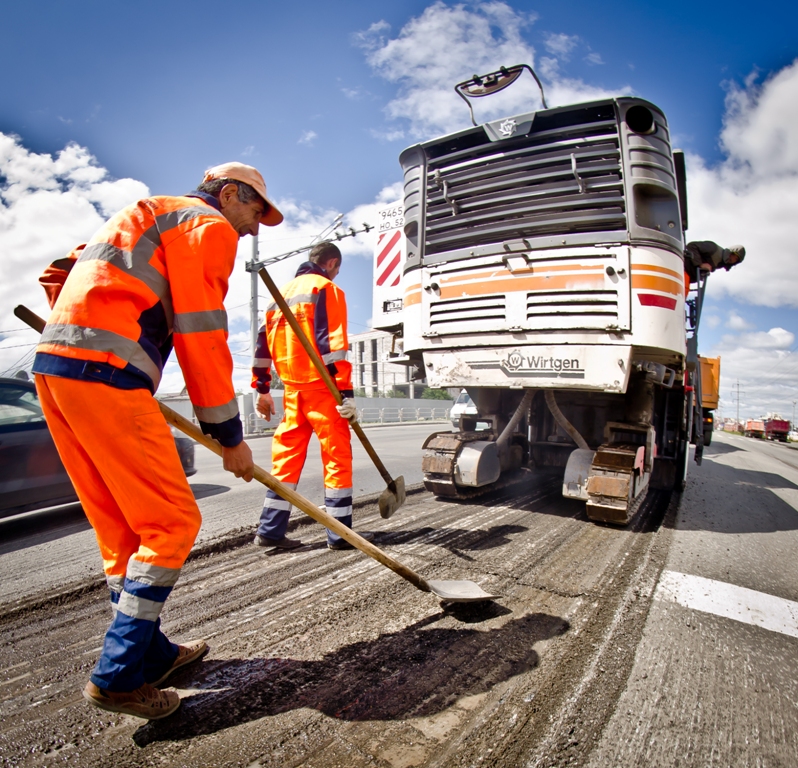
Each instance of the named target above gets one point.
<point>239,461</point>
<point>265,406</point>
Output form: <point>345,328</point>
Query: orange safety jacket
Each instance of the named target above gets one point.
<point>320,308</point>
<point>155,275</point>
<point>54,277</point>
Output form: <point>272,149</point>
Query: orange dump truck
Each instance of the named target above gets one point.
<point>754,428</point>
<point>710,393</point>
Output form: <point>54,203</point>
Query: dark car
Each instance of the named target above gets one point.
<point>31,473</point>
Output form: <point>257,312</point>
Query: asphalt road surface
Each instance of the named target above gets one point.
<point>671,642</point>
<point>49,550</point>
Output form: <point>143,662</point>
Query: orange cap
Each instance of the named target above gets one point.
<point>251,176</point>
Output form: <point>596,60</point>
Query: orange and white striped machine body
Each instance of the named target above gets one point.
<point>568,319</point>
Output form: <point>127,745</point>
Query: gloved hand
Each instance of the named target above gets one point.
<point>347,409</point>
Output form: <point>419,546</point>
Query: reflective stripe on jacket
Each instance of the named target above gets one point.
<point>154,275</point>
<point>320,308</point>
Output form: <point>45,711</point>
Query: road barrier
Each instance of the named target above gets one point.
<point>369,411</point>
<point>254,425</point>
<point>401,415</point>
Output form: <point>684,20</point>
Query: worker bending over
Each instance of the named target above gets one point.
<point>706,256</point>
<point>320,309</point>
<point>154,276</point>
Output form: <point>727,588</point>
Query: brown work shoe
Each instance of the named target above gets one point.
<point>146,702</point>
<point>186,654</point>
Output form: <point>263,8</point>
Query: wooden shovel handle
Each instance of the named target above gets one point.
<point>299,501</point>
<point>31,318</point>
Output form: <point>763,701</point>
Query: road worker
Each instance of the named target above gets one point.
<point>320,309</point>
<point>154,276</point>
<point>706,256</point>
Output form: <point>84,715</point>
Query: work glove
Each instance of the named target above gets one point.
<point>347,409</point>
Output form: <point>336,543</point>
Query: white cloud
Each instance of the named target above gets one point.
<point>372,38</point>
<point>560,44</point>
<point>307,137</point>
<point>762,367</point>
<point>48,205</point>
<point>760,125</point>
<point>354,94</point>
<point>388,135</point>
<point>752,196</point>
<point>363,244</point>
<point>594,58</point>
<point>776,339</point>
<point>737,323</point>
<point>476,42</point>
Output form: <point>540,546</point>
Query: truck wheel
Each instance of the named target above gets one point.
<point>707,437</point>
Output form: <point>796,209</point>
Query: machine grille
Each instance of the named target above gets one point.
<point>563,177</point>
<point>572,309</point>
<point>474,313</point>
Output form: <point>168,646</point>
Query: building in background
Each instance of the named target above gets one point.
<point>373,373</point>
<point>373,376</point>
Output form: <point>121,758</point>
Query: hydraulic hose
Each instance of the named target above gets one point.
<point>563,422</point>
<point>504,437</point>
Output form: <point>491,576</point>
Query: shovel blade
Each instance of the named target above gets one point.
<point>459,591</point>
<point>392,497</point>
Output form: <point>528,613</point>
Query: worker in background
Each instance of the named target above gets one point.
<point>320,309</point>
<point>706,256</point>
<point>155,275</point>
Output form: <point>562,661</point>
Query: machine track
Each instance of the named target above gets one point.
<point>617,483</point>
<point>451,491</point>
<point>616,486</point>
<point>439,464</point>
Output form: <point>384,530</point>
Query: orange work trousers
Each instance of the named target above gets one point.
<point>308,411</point>
<point>121,457</point>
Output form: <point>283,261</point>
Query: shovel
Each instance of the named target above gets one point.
<point>394,495</point>
<point>462,591</point>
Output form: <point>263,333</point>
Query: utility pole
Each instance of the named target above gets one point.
<point>253,301</point>
<point>738,403</point>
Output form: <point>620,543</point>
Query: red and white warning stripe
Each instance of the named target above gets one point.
<point>389,258</point>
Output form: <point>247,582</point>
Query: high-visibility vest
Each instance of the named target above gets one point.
<point>320,309</point>
<point>155,275</point>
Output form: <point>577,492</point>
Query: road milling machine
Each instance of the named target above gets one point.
<point>537,261</point>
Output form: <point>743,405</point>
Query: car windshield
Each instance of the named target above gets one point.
<point>463,399</point>
<point>18,405</point>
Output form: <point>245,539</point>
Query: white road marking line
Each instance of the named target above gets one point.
<point>730,601</point>
<point>787,495</point>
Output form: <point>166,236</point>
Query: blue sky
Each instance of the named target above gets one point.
<point>103,102</point>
